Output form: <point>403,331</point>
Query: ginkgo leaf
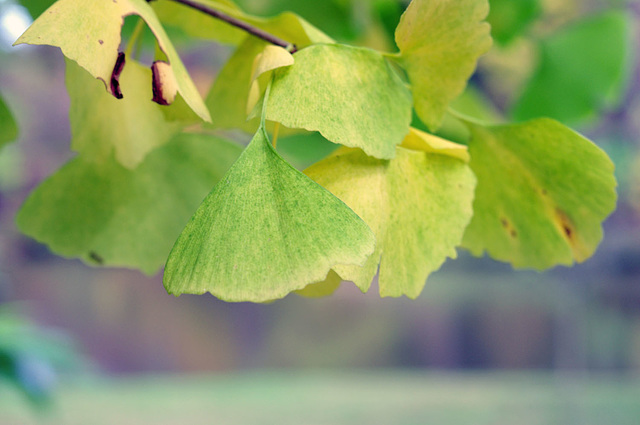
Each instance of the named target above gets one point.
<point>509,19</point>
<point>109,215</point>
<point>561,89</point>
<point>417,204</point>
<point>350,95</point>
<point>264,231</point>
<point>287,26</point>
<point>543,192</point>
<point>8,127</point>
<point>272,57</point>
<point>93,40</point>
<point>440,42</point>
<point>131,126</point>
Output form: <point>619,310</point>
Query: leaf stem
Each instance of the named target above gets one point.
<point>134,37</point>
<point>270,38</point>
<point>276,130</point>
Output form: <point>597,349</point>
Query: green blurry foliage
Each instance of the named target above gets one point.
<point>582,70</point>
<point>8,126</point>
<point>31,357</point>
<point>398,198</point>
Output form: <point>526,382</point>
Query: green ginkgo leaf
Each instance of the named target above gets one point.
<point>287,26</point>
<point>131,126</point>
<point>509,19</point>
<point>440,42</point>
<point>582,70</point>
<point>543,192</point>
<point>350,95</point>
<point>417,204</point>
<point>264,231</point>
<point>93,40</point>
<point>8,127</point>
<point>109,215</point>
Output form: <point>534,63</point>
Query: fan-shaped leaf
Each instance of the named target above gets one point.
<point>543,191</point>
<point>350,95</point>
<point>440,42</point>
<point>109,215</point>
<point>264,231</point>
<point>417,204</point>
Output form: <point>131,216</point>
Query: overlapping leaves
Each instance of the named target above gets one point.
<point>132,126</point>
<point>107,214</point>
<point>397,201</point>
<point>264,231</point>
<point>350,95</point>
<point>417,204</point>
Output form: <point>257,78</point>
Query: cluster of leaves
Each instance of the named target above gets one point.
<point>393,198</point>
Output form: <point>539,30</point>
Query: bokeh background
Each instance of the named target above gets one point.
<point>483,344</point>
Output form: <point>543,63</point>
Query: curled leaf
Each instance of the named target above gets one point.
<point>93,41</point>
<point>164,83</point>
<point>272,57</point>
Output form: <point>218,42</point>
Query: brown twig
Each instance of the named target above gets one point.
<point>270,38</point>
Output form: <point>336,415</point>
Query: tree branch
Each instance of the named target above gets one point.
<point>270,38</point>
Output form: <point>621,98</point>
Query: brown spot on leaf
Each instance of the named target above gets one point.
<point>508,226</point>
<point>565,224</point>
<point>581,251</point>
<point>115,76</point>
<point>95,257</point>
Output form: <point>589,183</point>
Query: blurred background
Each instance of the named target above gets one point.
<point>483,344</point>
